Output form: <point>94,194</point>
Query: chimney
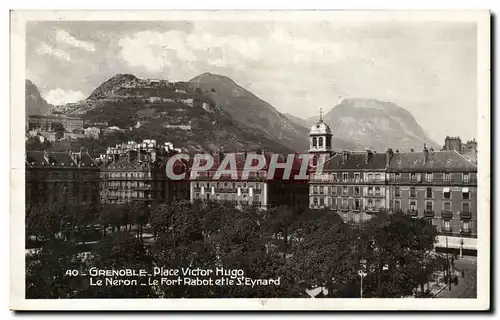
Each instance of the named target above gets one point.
<point>453,143</point>
<point>46,156</point>
<point>132,155</point>
<point>369,155</point>
<point>345,156</point>
<point>388,156</point>
<point>426,154</point>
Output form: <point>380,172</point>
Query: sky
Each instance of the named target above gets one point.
<point>427,68</point>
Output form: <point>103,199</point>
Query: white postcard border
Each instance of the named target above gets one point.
<point>17,228</point>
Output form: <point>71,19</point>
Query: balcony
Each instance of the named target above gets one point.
<point>344,208</point>
<point>399,210</point>
<point>444,182</point>
<point>413,213</point>
<point>428,213</point>
<point>465,215</point>
<point>127,178</point>
<point>466,233</point>
<point>446,231</point>
<point>446,214</point>
<point>347,181</point>
<point>374,195</point>
<point>373,210</point>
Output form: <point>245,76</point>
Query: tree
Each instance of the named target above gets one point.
<point>119,251</point>
<point>138,213</point>
<point>58,128</point>
<point>45,221</point>
<point>394,247</point>
<point>280,225</point>
<point>110,215</point>
<point>326,257</point>
<point>161,216</point>
<point>47,269</point>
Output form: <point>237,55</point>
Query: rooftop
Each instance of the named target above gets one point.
<point>59,159</point>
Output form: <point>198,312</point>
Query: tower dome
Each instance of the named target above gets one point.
<point>320,128</point>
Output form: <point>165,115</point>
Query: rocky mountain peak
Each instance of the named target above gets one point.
<point>112,84</point>
<point>35,103</point>
<point>376,124</point>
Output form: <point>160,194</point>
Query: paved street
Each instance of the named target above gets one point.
<point>467,286</point>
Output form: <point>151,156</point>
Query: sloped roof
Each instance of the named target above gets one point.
<point>437,161</point>
<point>241,159</point>
<point>58,158</point>
<point>124,164</point>
<point>356,160</point>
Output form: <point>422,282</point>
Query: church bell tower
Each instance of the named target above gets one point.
<point>320,139</point>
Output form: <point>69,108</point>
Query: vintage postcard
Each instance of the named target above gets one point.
<point>250,160</point>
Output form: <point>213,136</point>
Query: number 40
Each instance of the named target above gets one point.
<point>72,273</point>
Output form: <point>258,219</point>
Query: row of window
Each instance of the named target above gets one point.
<point>127,184</point>
<point>227,185</point>
<point>377,191</point>
<point>226,197</point>
<point>130,194</point>
<point>429,193</point>
<point>320,142</point>
<point>239,174</point>
<point>465,226</point>
<point>134,174</point>
<point>66,174</point>
<point>429,205</point>
<point>413,177</point>
<point>428,177</point>
<point>356,204</point>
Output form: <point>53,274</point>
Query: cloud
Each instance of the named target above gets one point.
<point>45,49</point>
<point>59,96</point>
<point>296,67</point>
<point>267,47</point>
<point>65,37</point>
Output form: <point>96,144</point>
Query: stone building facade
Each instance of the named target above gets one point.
<point>68,177</point>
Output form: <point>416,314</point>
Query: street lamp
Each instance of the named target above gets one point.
<point>461,242</point>
<point>362,274</point>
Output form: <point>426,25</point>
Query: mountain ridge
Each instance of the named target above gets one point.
<point>35,104</point>
<point>250,110</point>
<point>376,124</point>
<point>247,121</point>
<point>168,111</point>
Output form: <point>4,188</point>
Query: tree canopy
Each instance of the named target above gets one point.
<point>301,248</point>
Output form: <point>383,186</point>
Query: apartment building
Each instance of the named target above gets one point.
<point>252,189</point>
<point>440,187</point>
<point>139,175</point>
<point>352,183</point>
<point>68,177</point>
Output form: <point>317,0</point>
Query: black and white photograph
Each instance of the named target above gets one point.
<point>229,160</point>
